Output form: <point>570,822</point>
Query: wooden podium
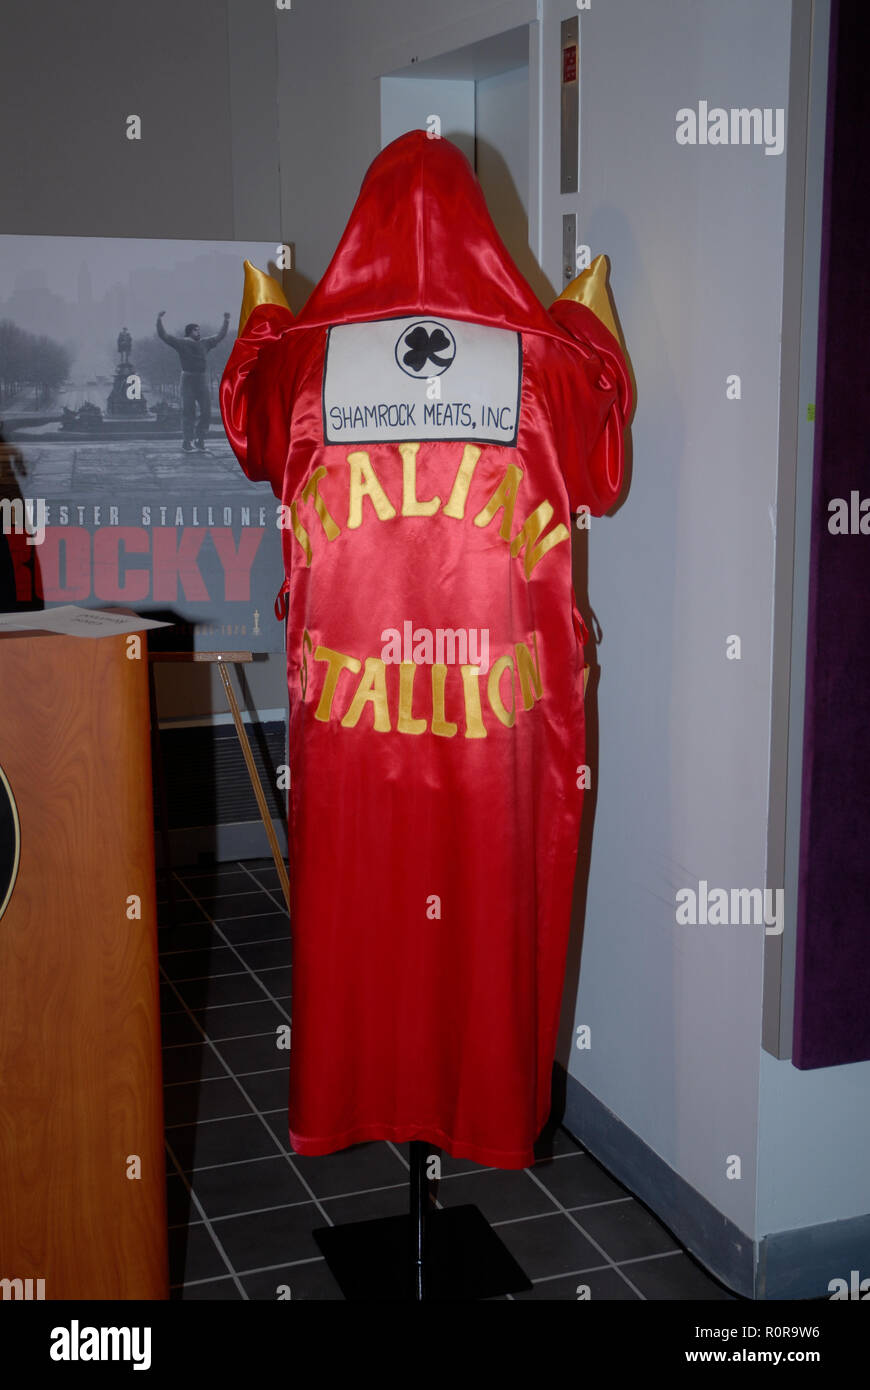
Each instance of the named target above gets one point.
<point>82,1185</point>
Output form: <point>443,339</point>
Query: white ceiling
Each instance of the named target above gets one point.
<point>486,58</point>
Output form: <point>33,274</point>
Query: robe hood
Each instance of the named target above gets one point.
<point>420,239</point>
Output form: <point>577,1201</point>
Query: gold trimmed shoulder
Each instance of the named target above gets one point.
<point>590,288</point>
<point>260,288</point>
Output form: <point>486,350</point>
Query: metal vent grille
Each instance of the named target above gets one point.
<point>206,779</point>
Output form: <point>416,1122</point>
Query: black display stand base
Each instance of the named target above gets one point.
<point>372,1260</point>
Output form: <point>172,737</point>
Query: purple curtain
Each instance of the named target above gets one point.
<point>832,999</point>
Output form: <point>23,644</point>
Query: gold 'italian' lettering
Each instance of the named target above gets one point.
<point>532,541</point>
<point>310,491</point>
<point>505,497</point>
<point>338,662</point>
<point>364,483</point>
<point>410,505</point>
<point>455,505</point>
<point>528,536</point>
<point>300,532</point>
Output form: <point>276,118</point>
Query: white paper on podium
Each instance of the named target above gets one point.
<point>73,621</point>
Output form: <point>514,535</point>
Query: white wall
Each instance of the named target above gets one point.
<point>813,1145</point>
<point>694,235</point>
<point>695,238</point>
<point>407,103</point>
<point>330,61</point>
<point>503,159</point>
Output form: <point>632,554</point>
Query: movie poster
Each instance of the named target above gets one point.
<point>117,483</point>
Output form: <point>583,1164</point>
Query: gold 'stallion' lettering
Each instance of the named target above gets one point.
<point>493,691</point>
<point>307,644</point>
<point>440,724</point>
<point>407,724</point>
<point>338,662</point>
<point>525,678</point>
<point>474,725</point>
<point>529,673</point>
<point>372,687</point>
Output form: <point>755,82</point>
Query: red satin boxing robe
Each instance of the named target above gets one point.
<point>434,656</point>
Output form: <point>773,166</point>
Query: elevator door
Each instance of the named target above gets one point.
<point>481,97</point>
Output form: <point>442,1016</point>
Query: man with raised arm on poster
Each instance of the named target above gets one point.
<point>193,352</point>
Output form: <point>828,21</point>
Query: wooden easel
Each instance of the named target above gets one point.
<point>223,661</point>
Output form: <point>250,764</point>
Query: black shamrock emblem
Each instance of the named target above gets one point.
<point>424,347</point>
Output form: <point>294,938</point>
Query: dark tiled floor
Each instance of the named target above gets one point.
<point>242,1205</point>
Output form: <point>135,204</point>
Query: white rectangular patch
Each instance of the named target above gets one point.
<point>421,378</point>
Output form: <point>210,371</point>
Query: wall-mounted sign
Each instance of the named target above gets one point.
<point>117,482</point>
<point>414,378</point>
<point>570,106</point>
